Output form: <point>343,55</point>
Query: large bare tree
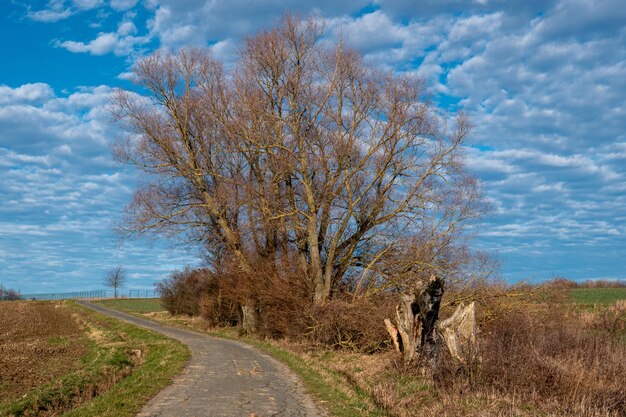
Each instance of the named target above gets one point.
<point>298,151</point>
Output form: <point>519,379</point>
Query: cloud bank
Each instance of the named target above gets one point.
<point>543,82</point>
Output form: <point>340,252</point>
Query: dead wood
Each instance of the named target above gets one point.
<point>459,332</point>
<point>416,317</point>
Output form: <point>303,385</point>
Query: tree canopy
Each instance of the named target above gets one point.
<point>300,155</point>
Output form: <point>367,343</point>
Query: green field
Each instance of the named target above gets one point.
<point>597,296</point>
<point>134,305</point>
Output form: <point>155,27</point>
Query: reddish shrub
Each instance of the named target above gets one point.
<point>354,325</point>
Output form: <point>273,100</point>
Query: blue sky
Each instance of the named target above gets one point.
<point>544,83</point>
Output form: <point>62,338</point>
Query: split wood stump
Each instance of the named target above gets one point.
<point>418,333</point>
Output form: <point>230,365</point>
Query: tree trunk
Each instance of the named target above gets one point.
<point>315,265</point>
<point>416,330</point>
<point>248,318</point>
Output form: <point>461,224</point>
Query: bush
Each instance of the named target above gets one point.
<point>356,325</point>
<point>179,292</point>
<point>283,307</point>
<point>216,309</point>
<point>564,283</point>
<point>279,298</point>
<point>195,292</point>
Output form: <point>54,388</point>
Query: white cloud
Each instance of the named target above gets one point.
<point>12,158</point>
<point>177,23</point>
<point>225,50</point>
<point>35,92</point>
<point>55,10</point>
<point>126,28</point>
<point>62,193</point>
<point>121,42</point>
<point>126,75</point>
<point>64,149</point>
<point>123,5</point>
<point>103,44</point>
<point>87,4</point>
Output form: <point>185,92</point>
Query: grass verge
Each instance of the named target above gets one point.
<point>134,305</point>
<point>124,367</point>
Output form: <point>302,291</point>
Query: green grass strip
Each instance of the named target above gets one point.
<point>166,358</point>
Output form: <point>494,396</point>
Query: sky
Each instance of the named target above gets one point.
<point>544,83</point>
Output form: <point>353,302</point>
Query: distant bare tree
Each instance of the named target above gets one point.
<point>115,278</point>
<point>301,151</point>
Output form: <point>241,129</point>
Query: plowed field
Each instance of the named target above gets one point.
<point>39,342</point>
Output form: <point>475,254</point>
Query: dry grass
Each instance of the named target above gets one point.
<point>538,359</point>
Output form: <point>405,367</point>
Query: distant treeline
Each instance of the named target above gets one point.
<point>8,294</point>
<point>590,283</point>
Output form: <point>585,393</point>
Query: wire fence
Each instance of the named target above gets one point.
<point>94,294</point>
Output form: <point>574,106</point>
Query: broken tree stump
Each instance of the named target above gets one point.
<point>459,333</point>
<point>416,318</point>
<point>426,306</point>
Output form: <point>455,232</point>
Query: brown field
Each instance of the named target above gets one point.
<point>39,342</point>
<point>59,358</point>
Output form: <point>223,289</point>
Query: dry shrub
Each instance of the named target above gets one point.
<point>564,283</point>
<point>284,308</point>
<point>215,309</point>
<point>8,294</point>
<point>197,292</point>
<point>179,292</point>
<point>356,325</point>
<point>279,298</point>
<point>561,283</point>
<point>612,319</point>
<point>543,356</point>
<point>603,283</point>
<point>497,299</point>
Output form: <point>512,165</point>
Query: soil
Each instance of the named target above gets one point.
<point>39,342</point>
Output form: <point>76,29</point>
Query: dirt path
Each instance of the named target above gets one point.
<point>223,378</point>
